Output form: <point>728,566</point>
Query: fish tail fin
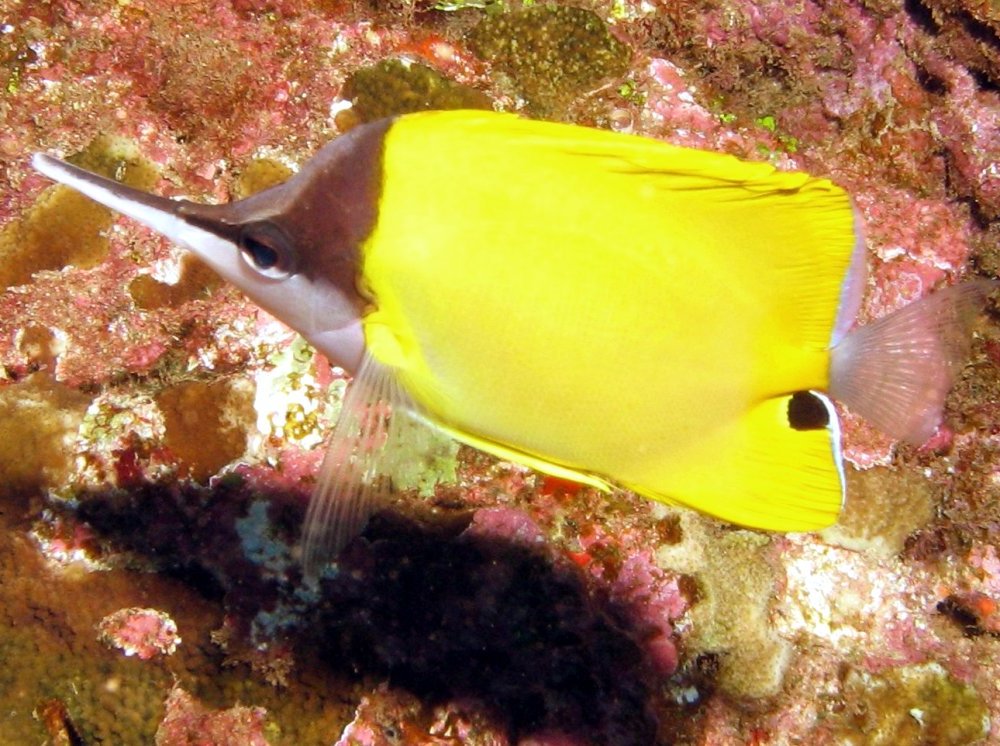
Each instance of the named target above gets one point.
<point>896,372</point>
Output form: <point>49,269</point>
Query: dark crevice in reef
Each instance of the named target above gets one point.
<point>444,613</point>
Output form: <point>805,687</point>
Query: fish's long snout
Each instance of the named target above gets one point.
<point>199,228</point>
<point>159,213</point>
<point>311,303</point>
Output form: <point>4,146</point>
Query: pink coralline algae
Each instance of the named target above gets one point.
<point>985,562</point>
<point>510,525</point>
<point>154,419</point>
<point>188,722</point>
<point>654,599</point>
<point>144,633</point>
<point>388,716</point>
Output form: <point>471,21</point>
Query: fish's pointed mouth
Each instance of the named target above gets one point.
<point>199,228</point>
<point>159,213</point>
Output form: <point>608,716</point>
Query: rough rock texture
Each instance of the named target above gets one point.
<point>159,434</point>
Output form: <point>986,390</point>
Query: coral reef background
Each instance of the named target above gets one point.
<point>158,433</point>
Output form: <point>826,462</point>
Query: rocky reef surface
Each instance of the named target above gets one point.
<point>158,433</point>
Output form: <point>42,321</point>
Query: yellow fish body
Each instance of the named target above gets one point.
<point>605,308</point>
<point>614,309</point>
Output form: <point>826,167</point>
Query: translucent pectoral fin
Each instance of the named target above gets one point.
<point>379,429</point>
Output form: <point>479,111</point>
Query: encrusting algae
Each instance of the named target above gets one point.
<point>862,89</point>
<point>64,229</point>
<point>553,54</point>
<point>39,420</point>
<point>400,86</point>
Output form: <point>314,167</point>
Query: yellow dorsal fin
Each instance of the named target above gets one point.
<point>753,222</point>
<point>760,472</point>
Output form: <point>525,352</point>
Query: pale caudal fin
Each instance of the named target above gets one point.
<point>896,372</point>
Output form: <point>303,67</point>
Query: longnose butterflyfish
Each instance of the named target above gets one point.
<point>601,307</point>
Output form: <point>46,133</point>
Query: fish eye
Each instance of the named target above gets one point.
<point>265,248</point>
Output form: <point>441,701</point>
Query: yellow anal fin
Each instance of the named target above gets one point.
<point>526,459</point>
<point>761,472</point>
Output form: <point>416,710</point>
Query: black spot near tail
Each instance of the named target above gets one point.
<point>807,412</point>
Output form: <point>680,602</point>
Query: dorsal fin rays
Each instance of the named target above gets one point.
<point>350,486</point>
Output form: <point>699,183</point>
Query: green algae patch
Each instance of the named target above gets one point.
<point>39,419</point>
<point>258,175</point>
<point>63,228</point>
<point>884,507</point>
<point>420,457</point>
<point>552,55</point>
<point>392,87</point>
<point>197,280</point>
<point>919,704</point>
<point>16,56</point>
<point>207,424</point>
